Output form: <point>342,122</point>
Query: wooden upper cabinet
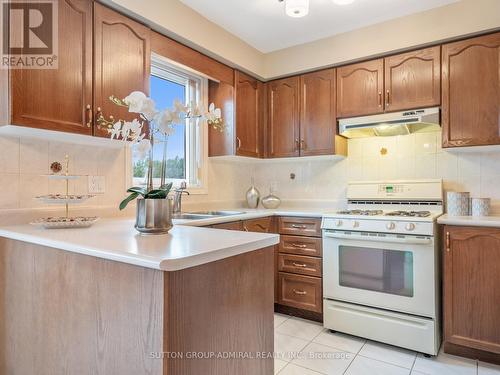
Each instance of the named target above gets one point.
<point>283,117</point>
<point>317,113</point>
<point>57,99</point>
<point>470,290</point>
<point>249,111</point>
<point>360,89</point>
<point>122,62</point>
<point>413,80</point>
<point>222,143</point>
<point>471,92</point>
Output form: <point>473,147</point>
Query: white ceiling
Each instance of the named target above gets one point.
<point>264,25</point>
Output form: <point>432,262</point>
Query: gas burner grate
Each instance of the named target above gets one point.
<point>361,212</point>
<point>409,213</point>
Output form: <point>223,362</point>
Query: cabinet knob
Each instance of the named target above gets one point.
<point>390,226</point>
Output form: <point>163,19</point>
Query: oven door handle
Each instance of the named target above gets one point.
<point>358,237</point>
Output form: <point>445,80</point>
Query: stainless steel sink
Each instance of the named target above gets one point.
<point>187,216</point>
<point>204,215</point>
<point>217,213</point>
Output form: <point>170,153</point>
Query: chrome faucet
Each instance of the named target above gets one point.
<point>178,197</point>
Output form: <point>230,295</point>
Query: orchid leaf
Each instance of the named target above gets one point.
<point>127,200</point>
<point>138,190</point>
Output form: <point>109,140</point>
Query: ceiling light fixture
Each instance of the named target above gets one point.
<point>343,2</point>
<point>296,8</point>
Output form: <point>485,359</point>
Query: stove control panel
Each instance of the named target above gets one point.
<point>382,226</point>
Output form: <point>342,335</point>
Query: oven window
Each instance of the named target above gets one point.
<point>381,270</point>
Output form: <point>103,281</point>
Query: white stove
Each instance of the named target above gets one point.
<point>380,263</point>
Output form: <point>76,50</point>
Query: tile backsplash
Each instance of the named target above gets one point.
<point>24,170</point>
<point>24,166</point>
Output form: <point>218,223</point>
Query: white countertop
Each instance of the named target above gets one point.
<point>476,221</point>
<point>116,239</point>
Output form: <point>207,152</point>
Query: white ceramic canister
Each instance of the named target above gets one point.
<point>457,203</point>
<point>480,206</point>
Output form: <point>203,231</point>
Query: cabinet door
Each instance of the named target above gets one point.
<point>60,99</point>
<point>471,92</point>
<point>233,225</point>
<point>122,62</point>
<point>317,113</point>
<point>360,89</point>
<point>413,79</point>
<point>249,113</point>
<point>283,120</point>
<point>222,95</point>
<point>471,292</point>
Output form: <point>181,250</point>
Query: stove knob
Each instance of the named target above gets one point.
<point>390,225</point>
<point>355,224</point>
<point>410,226</point>
<point>338,223</point>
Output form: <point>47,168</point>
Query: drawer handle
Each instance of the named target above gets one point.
<point>301,246</point>
<point>302,265</point>
<point>300,292</point>
<point>299,226</point>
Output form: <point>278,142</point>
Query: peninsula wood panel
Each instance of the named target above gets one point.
<point>184,55</point>
<point>471,92</point>
<point>122,62</point>
<point>65,313</point>
<point>471,294</point>
<point>413,79</point>
<point>224,306</point>
<point>283,117</point>
<point>318,120</point>
<point>360,89</point>
<point>57,99</point>
<point>249,115</point>
<point>4,97</point>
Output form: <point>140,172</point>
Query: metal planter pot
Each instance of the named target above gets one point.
<point>154,216</point>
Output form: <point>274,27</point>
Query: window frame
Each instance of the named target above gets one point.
<point>196,130</point>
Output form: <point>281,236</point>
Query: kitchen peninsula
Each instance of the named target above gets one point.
<point>106,300</point>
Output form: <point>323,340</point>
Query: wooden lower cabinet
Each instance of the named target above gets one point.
<point>300,245</point>
<point>261,225</point>
<point>471,292</point>
<point>302,292</point>
<point>233,225</point>
<point>300,226</point>
<point>299,264</point>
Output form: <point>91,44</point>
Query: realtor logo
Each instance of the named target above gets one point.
<point>29,34</point>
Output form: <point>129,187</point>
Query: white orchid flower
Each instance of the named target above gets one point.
<point>180,107</point>
<point>148,109</point>
<point>135,101</point>
<point>116,131</point>
<point>135,128</point>
<point>143,147</point>
<point>164,122</point>
<point>214,114</point>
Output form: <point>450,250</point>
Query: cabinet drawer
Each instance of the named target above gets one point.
<point>299,264</point>
<point>302,292</point>
<point>234,225</point>
<point>300,226</point>
<point>258,225</point>
<point>301,246</point>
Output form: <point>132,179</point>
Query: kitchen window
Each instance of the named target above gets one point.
<point>186,149</point>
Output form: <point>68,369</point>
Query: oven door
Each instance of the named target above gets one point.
<point>387,271</point>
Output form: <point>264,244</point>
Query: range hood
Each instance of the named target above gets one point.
<point>390,124</point>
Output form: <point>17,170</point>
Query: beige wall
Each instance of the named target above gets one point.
<point>464,17</point>
<point>184,24</point>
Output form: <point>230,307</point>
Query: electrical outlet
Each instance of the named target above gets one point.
<point>97,185</point>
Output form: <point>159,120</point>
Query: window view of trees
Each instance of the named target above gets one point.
<point>164,92</point>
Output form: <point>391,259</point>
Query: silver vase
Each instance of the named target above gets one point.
<point>253,197</point>
<point>154,216</point>
<point>271,201</point>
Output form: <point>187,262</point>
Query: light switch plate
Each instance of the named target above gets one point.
<point>97,184</point>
